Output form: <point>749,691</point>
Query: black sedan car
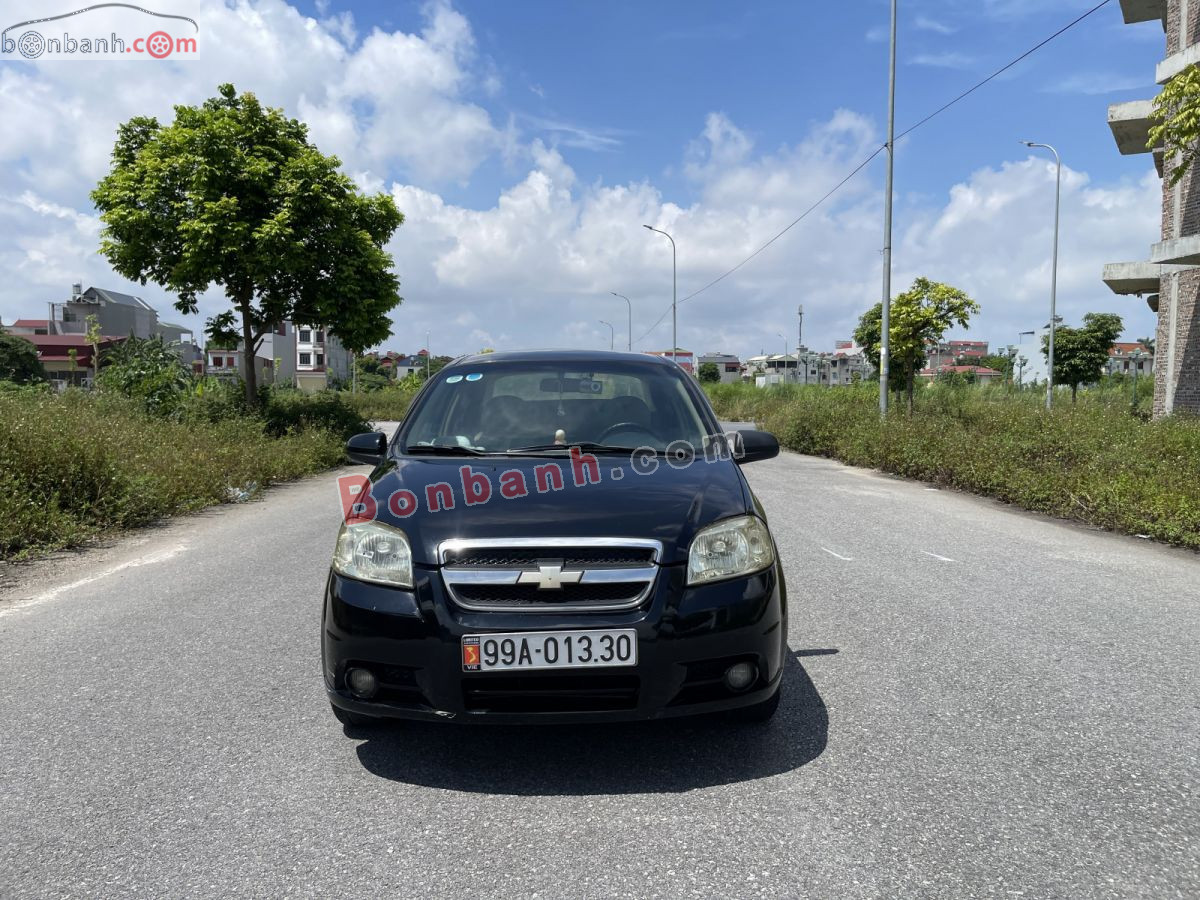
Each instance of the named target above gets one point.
<point>555,536</point>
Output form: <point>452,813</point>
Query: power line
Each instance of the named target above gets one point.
<point>794,223</point>
<point>878,150</point>
<point>1003,69</point>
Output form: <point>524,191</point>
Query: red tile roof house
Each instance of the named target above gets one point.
<point>29,326</point>
<point>54,353</point>
<point>1125,358</point>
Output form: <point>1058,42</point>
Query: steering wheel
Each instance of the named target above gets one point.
<point>627,426</point>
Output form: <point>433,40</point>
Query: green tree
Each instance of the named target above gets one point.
<point>1148,343</point>
<point>233,194</point>
<point>919,316</point>
<point>709,373</point>
<point>1176,122</point>
<point>436,364</point>
<point>94,337</point>
<point>19,361</point>
<point>369,365</point>
<point>997,361</point>
<point>1080,354</point>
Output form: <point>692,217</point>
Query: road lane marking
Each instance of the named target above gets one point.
<point>838,555</point>
<point>149,560</point>
<point>935,556</point>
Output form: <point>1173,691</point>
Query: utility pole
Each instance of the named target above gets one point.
<point>885,344</point>
<point>800,341</point>
<point>427,356</point>
<point>1053,269</point>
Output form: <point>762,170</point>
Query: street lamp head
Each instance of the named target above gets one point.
<point>647,226</point>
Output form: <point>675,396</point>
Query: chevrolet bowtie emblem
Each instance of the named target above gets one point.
<point>550,576</point>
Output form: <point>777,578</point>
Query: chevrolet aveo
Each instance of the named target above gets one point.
<point>555,536</point>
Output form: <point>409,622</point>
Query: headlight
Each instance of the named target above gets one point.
<point>370,551</point>
<point>728,549</point>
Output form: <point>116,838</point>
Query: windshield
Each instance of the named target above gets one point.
<point>500,407</point>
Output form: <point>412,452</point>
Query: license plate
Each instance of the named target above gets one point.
<point>549,650</point>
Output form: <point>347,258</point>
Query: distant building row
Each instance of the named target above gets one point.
<point>307,356</point>
<point>848,364</point>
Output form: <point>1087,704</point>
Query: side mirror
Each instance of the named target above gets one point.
<point>756,445</point>
<point>369,448</point>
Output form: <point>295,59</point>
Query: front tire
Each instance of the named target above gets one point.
<point>353,719</point>
<point>759,712</point>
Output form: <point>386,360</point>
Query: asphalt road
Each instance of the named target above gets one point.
<point>982,703</point>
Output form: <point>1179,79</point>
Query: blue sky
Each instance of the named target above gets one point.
<point>527,141</point>
<point>647,73</point>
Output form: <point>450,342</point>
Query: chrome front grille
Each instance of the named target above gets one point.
<point>531,575</point>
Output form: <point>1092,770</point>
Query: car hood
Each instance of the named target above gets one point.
<point>668,504</point>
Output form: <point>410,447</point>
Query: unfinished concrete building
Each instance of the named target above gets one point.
<point>1170,279</point>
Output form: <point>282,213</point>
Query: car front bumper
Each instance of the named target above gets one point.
<point>686,637</point>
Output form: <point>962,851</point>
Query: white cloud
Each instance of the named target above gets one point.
<point>947,60</point>
<point>1095,83</point>
<point>544,258</point>
<point>395,103</point>
<point>926,23</point>
<point>578,137</point>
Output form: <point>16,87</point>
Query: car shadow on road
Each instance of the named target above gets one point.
<point>668,756</point>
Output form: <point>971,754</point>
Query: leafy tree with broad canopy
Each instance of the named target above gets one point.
<point>709,373</point>
<point>19,361</point>
<point>233,194</point>
<point>1080,354</point>
<point>918,317</point>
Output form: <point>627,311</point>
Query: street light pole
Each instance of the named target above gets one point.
<point>630,304</point>
<point>885,342</point>
<point>785,356</point>
<point>427,356</point>
<point>612,334</point>
<point>1053,268</point>
<point>674,281</point>
<point>1021,334</point>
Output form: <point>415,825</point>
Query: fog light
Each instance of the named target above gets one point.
<point>362,683</point>
<point>740,676</point>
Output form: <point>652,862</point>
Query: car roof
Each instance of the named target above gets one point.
<point>564,357</point>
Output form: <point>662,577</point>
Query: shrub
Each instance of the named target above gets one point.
<point>147,371</point>
<point>387,404</point>
<point>288,411</point>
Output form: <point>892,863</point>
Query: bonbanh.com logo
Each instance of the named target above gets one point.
<point>99,31</point>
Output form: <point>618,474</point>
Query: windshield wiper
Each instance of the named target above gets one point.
<point>443,450</point>
<point>585,446</point>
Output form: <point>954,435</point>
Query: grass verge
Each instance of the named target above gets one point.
<point>76,465</point>
<point>1094,462</point>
